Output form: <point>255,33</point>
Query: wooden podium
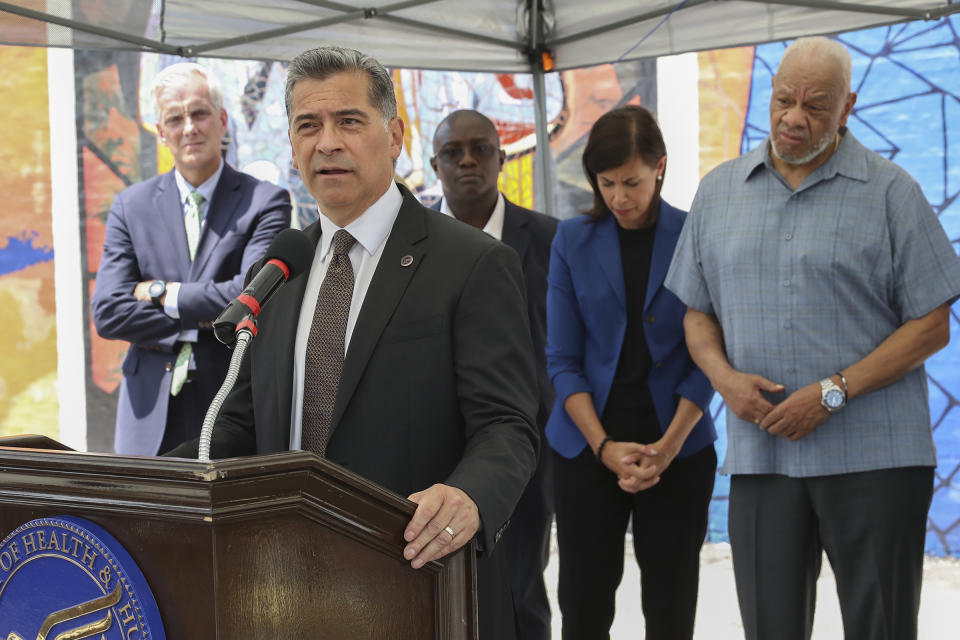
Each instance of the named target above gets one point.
<point>285,545</point>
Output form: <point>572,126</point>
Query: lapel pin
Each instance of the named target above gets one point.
<point>406,260</point>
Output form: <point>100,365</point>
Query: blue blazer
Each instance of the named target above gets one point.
<point>145,240</point>
<point>587,320</point>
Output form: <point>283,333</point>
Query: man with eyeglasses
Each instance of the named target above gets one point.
<point>467,160</point>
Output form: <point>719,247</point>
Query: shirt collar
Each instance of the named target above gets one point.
<point>850,159</point>
<point>371,227</point>
<point>206,189</point>
<point>494,226</point>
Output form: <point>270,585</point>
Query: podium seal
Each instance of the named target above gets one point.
<point>65,577</point>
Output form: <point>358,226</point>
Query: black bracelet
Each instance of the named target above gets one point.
<point>603,443</point>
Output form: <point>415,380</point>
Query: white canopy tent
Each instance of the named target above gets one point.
<point>528,36</point>
<point>466,35</point>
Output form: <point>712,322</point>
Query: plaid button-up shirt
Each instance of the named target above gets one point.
<point>807,282</point>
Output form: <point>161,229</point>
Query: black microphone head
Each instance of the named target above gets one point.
<point>294,248</point>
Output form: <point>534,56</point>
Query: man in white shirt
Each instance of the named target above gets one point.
<point>405,354</point>
<point>468,160</point>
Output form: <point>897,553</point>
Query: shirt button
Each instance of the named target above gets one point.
<point>786,283</point>
<point>788,236</point>
<point>787,324</point>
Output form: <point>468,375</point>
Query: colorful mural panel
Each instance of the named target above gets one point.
<point>28,368</point>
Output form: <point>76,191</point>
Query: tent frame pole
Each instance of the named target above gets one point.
<point>543,159</point>
<point>103,32</point>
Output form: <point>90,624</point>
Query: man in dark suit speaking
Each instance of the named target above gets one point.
<point>405,354</point>
<point>468,159</point>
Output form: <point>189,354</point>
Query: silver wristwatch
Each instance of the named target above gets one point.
<point>832,397</point>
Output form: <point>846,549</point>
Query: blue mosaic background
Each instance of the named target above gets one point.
<point>907,78</point>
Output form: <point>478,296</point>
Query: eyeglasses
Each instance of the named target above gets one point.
<point>478,151</point>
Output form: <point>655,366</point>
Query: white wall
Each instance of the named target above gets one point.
<point>678,112</point>
<point>68,265</point>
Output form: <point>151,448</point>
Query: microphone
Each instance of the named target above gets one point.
<point>289,255</point>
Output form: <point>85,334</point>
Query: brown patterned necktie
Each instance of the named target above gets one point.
<point>325,346</point>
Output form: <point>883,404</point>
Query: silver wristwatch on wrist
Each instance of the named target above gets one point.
<point>832,396</point>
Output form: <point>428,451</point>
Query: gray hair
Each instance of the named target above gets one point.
<point>180,75</point>
<point>322,62</point>
<point>823,48</point>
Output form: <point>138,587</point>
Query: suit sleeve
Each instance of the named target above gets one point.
<point>497,389</point>
<point>117,314</point>
<point>203,301</point>
<point>565,327</point>
<point>234,432</point>
<point>695,387</point>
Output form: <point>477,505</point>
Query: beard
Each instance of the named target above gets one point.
<point>819,147</point>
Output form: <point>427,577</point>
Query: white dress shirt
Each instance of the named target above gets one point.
<point>206,189</point>
<point>494,226</point>
<point>370,230</point>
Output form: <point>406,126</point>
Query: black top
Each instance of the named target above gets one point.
<point>629,392</point>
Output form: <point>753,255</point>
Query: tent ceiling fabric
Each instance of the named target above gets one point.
<point>466,35</point>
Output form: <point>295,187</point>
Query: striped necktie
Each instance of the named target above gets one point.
<point>191,222</point>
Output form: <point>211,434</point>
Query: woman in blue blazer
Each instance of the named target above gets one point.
<point>631,431</point>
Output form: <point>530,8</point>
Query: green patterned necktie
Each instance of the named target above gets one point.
<point>191,222</point>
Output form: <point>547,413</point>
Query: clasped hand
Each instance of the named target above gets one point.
<point>638,466</point>
<point>793,418</point>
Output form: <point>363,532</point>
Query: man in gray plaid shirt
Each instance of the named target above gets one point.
<point>818,280</point>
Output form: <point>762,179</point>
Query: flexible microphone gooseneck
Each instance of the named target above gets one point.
<point>289,255</point>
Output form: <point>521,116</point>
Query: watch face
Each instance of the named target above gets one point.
<point>156,289</point>
<point>834,399</point>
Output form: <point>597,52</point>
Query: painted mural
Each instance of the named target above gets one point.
<point>28,363</point>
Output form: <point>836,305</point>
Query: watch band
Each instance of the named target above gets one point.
<point>843,381</point>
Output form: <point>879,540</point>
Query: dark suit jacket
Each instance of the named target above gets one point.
<point>587,312</point>
<point>438,383</point>
<point>527,541</point>
<point>529,234</point>
<point>145,240</point>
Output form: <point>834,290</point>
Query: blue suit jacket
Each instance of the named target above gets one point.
<point>145,240</point>
<point>587,320</point>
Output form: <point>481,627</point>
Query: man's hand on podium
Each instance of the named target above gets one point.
<point>445,520</point>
